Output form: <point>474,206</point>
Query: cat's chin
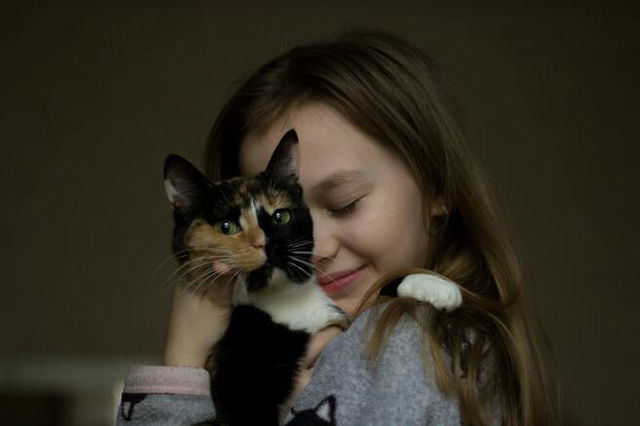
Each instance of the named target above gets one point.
<point>270,277</point>
<point>267,279</point>
<point>276,279</point>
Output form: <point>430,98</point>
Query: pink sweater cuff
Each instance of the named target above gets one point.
<point>164,379</point>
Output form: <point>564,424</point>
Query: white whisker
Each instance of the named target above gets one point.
<point>182,269</point>
<point>312,266</point>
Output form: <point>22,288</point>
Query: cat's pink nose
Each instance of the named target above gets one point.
<point>221,267</point>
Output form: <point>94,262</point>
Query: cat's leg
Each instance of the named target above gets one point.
<point>433,289</point>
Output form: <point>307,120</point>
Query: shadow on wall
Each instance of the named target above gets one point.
<point>35,408</point>
<point>63,391</point>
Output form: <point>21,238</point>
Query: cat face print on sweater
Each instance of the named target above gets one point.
<point>324,414</point>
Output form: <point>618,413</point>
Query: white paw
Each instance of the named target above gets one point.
<point>441,293</point>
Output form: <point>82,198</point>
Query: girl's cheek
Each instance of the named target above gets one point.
<point>367,236</point>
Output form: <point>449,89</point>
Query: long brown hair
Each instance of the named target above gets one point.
<point>491,352</point>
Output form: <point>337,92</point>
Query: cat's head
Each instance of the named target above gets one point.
<point>256,227</point>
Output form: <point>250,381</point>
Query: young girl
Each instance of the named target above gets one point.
<point>391,186</point>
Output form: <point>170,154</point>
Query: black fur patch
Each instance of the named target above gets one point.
<point>391,289</point>
<point>257,280</point>
<point>258,362</point>
<point>299,230</point>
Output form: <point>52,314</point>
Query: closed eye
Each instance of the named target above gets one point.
<point>345,210</point>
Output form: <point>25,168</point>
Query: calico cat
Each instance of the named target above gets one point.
<point>258,231</point>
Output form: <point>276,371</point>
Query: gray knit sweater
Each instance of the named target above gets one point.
<point>344,390</point>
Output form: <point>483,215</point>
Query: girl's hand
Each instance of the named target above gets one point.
<point>196,322</point>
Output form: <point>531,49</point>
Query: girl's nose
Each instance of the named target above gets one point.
<point>326,244</point>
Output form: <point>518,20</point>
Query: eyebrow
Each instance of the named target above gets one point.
<point>337,179</point>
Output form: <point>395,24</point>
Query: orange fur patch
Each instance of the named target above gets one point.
<point>273,201</point>
<point>208,245</point>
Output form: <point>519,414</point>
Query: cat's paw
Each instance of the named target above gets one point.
<point>441,293</point>
<point>340,318</point>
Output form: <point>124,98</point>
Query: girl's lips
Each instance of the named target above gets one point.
<point>334,283</point>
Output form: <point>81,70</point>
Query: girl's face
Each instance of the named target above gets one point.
<point>366,207</point>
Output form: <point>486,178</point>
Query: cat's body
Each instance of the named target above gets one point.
<point>258,232</point>
<point>257,363</point>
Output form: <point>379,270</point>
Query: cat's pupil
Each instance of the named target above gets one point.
<point>226,227</point>
<point>281,217</point>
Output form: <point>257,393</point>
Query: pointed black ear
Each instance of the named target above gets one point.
<point>184,184</point>
<point>326,409</point>
<point>283,165</point>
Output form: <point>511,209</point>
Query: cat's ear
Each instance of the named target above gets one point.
<point>184,184</point>
<point>283,165</point>
<point>326,409</point>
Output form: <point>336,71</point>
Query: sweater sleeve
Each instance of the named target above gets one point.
<point>347,390</point>
<point>159,395</point>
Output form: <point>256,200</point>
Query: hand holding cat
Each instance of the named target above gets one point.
<point>196,323</point>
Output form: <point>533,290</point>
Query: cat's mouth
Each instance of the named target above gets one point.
<point>259,278</point>
<point>271,275</point>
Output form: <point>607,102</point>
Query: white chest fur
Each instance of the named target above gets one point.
<point>298,306</point>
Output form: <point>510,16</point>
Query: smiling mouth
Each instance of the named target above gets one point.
<point>337,282</point>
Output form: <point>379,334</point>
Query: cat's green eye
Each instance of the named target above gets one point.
<point>227,227</point>
<point>281,217</point>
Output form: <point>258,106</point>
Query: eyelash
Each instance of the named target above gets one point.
<point>346,210</point>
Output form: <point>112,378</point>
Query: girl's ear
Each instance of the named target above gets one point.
<point>283,165</point>
<point>184,184</point>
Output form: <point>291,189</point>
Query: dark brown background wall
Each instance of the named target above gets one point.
<point>95,95</point>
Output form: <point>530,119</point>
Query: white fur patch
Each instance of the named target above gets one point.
<point>244,224</point>
<point>172,192</point>
<point>240,295</point>
<point>441,293</point>
<point>298,306</point>
<point>255,205</point>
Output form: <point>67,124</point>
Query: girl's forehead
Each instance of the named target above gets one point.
<point>329,144</point>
